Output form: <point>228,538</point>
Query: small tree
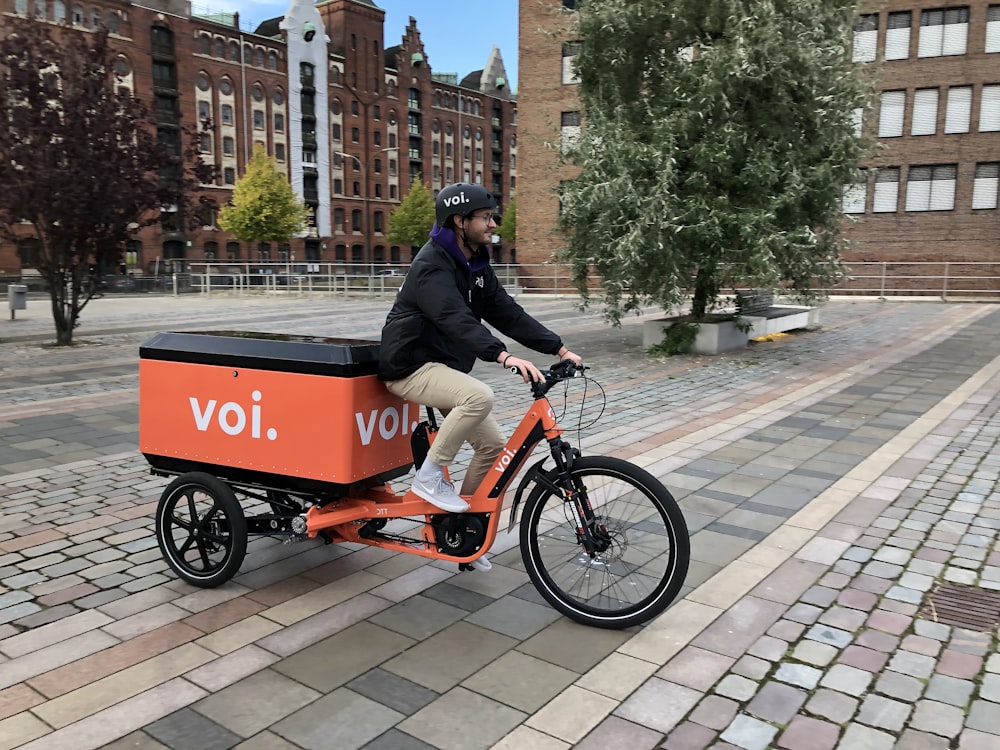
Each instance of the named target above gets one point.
<point>508,227</point>
<point>264,208</point>
<point>719,137</point>
<point>80,163</point>
<point>411,222</point>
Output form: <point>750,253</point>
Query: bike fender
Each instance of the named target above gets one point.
<point>529,475</point>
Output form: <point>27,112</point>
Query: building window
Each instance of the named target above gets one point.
<point>229,176</point>
<point>993,29</point>
<point>204,111</point>
<point>356,220</point>
<point>865,38</point>
<point>336,131</point>
<point>448,151</point>
<point>943,31</point>
<point>356,187</point>
<point>897,36</point>
<point>211,250</point>
<point>569,52</point>
<point>989,109</point>
<point>258,119</point>
<point>338,187</point>
<point>308,157</point>
<point>890,121</point>
<point>958,109</point>
<point>338,219</point>
<point>854,196</point>
<point>279,152</point>
<point>227,114</point>
<point>272,60</point>
<point>232,251</point>
<point>570,133</point>
<point>984,187</point>
<point>392,167</point>
<point>378,190</point>
<point>925,105</point>
<point>378,166</point>
<point>228,146</point>
<point>340,253</point>
<point>931,188</point>
<point>377,137</point>
<point>435,148</point>
<point>378,221</point>
<point>355,135</point>
<point>279,123</point>
<point>205,143</point>
<point>234,52</point>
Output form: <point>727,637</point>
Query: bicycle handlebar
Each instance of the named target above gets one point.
<point>558,372</point>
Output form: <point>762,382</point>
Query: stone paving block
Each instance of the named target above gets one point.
<point>736,687</point>
<point>956,664</point>
<point>342,719</point>
<point>776,702</point>
<point>714,712</point>
<point>984,716</point>
<point>938,718</point>
<point>859,737</point>
<point>572,646</point>
<point>849,680</point>
<point>617,734</point>
<point>805,733</point>
<point>659,705</point>
<point>883,713</point>
<point>520,681</point>
<point>185,728</point>
<point>749,733</point>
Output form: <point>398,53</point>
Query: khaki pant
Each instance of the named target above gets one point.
<point>467,404</point>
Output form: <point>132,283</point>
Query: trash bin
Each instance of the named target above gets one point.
<point>17,298</point>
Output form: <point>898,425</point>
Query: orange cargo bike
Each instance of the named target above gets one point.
<point>300,427</point>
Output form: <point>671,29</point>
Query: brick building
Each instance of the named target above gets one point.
<point>930,191</point>
<point>350,121</point>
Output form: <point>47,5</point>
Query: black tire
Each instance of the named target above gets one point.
<point>201,529</point>
<point>646,561</point>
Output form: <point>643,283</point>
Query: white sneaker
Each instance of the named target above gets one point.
<point>440,493</point>
<point>482,563</point>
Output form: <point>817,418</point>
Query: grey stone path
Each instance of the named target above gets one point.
<point>836,483</point>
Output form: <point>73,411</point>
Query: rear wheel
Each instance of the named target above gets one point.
<point>643,553</point>
<point>201,529</point>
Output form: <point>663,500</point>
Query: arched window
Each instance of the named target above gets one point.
<point>272,60</point>
<point>58,11</point>
<point>247,54</point>
<point>232,250</point>
<point>356,220</point>
<point>78,17</point>
<point>204,44</point>
<point>378,221</point>
<point>211,250</point>
<point>234,51</point>
<point>258,57</point>
<point>95,19</point>
<point>220,47</point>
<point>340,253</point>
<point>334,75</point>
<point>41,9</point>
<point>114,22</point>
<point>338,220</point>
<point>21,7</point>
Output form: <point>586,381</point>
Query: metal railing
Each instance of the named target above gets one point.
<point>947,280</point>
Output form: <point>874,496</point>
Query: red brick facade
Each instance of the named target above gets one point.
<point>959,233</point>
<point>390,119</point>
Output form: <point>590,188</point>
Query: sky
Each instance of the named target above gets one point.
<point>476,25</point>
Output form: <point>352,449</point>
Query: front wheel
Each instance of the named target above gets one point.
<point>643,553</point>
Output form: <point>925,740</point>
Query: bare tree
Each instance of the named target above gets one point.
<point>81,166</point>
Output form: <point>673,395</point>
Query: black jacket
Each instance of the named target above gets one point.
<point>438,312</point>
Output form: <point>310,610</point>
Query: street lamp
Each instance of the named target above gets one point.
<point>364,166</point>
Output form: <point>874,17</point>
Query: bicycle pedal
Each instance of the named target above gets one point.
<point>462,567</point>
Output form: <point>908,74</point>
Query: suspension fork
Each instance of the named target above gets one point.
<point>575,494</point>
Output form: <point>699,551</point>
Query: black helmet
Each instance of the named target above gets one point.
<point>462,199</point>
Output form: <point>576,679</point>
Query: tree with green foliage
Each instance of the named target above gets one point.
<point>81,167</point>
<point>264,208</point>
<point>508,227</point>
<point>718,138</point>
<point>410,224</point>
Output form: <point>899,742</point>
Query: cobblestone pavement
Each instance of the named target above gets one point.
<point>840,486</point>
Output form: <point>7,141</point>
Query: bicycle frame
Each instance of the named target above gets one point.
<point>343,520</point>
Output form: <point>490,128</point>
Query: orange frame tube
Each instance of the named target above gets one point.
<point>342,521</point>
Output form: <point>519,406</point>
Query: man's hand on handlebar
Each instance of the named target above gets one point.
<point>525,368</point>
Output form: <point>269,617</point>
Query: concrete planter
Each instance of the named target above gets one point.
<point>725,335</point>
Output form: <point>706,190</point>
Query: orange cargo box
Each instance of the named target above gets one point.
<point>271,409</point>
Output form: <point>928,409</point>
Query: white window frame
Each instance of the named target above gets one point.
<point>925,107</point>
<point>886,193</point>
<point>569,133</point>
<point>989,109</point>
<point>897,35</point>
<point>943,32</point>
<point>892,106</point>
<point>931,188</point>
<point>569,52</point>
<point>865,47</point>
<point>958,110</point>
<point>985,185</point>
<point>992,29</point>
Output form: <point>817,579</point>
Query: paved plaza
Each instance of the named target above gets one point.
<point>840,485</point>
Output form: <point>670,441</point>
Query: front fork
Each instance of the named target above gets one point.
<point>593,537</point>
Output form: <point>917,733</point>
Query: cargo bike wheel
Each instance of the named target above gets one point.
<point>642,548</point>
<point>201,529</point>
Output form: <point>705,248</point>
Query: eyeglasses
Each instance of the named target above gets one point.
<point>485,217</point>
